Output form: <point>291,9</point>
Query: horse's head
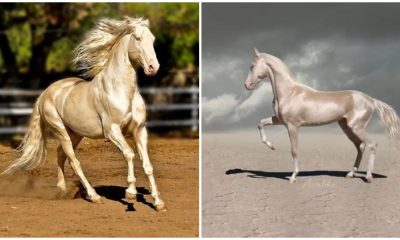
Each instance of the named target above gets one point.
<point>141,47</point>
<point>258,71</point>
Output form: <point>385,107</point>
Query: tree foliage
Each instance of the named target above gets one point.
<point>37,39</point>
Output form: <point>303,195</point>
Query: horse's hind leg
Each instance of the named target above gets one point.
<point>360,146</point>
<point>63,137</point>
<point>371,144</point>
<point>358,126</point>
<point>61,157</point>
<point>76,166</point>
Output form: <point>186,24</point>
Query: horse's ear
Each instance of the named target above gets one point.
<point>257,52</point>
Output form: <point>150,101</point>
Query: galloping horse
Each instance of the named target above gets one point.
<point>110,106</point>
<point>296,105</point>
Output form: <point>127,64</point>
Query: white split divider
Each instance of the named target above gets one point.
<point>193,122</point>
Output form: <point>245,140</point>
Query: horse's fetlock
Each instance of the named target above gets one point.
<point>131,179</point>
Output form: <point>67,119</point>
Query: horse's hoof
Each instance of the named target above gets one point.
<point>161,207</point>
<point>97,199</point>
<point>272,147</point>
<point>349,175</point>
<point>130,196</point>
<point>292,180</point>
<point>369,180</point>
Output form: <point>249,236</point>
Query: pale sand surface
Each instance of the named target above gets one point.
<point>246,192</point>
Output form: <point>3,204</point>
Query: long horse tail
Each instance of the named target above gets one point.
<point>33,146</point>
<point>390,120</point>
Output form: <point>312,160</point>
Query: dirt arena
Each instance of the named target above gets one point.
<point>246,192</point>
<point>31,206</point>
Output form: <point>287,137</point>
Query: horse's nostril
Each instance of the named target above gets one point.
<point>151,68</point>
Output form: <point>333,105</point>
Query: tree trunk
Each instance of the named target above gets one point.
<point>9,59</point>
<point>41,50</point>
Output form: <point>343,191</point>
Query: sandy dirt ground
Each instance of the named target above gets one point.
<point>31,206</point>
<point>246,191</point>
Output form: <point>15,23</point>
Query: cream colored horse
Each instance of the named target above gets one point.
<point>298,105</point>
<point>110,106</point>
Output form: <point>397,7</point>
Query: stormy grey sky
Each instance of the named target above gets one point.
<point>329,46</point>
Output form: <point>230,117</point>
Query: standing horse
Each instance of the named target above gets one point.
<point>110,106</point>
<point>298,105</point>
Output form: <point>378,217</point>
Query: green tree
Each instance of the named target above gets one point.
<point>36,39</point>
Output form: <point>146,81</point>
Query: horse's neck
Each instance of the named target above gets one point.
<point>118,75</point>
<point>281,83</point>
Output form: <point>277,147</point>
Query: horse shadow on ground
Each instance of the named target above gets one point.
<point>117,193</point>
<point>286,175</point>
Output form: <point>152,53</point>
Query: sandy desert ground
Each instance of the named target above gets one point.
<point>30,205</point>
<point>246,191</point>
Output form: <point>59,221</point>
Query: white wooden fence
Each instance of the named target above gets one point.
<point>25,108</point>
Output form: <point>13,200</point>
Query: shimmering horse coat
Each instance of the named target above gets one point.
<point>296,105</point>
<point>110,106</point>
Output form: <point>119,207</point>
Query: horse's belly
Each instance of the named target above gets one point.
<point>86,124</point>
<point>321,114</point>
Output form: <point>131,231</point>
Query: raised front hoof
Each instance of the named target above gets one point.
<point>269,144</point>
<point>161,207</point>
<point>130,196</point>
<point>272,147</point>
<point>97,200</point>
<point>350,175</point>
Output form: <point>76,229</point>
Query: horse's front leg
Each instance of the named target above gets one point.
<point>141,143</point>
<point>293,135</point>
<point>267,121</point>
<point>115,135</point>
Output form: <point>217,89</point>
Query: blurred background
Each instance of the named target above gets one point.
<point>36,44</point>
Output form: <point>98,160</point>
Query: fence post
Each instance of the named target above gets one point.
<point>195,111</point>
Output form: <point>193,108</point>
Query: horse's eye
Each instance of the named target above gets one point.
<point>138,38</point>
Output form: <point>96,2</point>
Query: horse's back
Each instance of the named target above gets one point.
<point>320,107</point>
<point>60,87</point>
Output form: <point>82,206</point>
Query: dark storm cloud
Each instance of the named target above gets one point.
<point>330,46</point>
<point>302,21</point>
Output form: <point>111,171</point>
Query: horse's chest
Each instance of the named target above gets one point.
<point>123,107</point>
<point>119,107</point>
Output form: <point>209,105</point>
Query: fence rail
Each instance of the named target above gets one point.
<point>24,108</point>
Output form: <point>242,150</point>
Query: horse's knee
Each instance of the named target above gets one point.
<point>128,154</point>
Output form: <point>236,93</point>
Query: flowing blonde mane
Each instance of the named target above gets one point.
<point>92,53</point>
